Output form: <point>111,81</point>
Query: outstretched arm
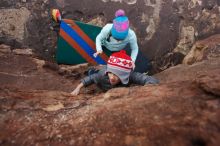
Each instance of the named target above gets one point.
<point>77,89</point>
<point>141,79</point>
<point>86,82</point>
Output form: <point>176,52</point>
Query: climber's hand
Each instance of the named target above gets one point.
<point>77,90</point>
<point>97,53</point>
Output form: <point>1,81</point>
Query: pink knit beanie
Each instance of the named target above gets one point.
<point>120,26</point>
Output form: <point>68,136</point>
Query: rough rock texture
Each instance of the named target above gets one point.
<point>31,20</point>
<point>161,25</point>
<point>20,69</point>
<point>205,74</point>
<point>13,21</point>
<point>204,49</point>
<point>37,109</point>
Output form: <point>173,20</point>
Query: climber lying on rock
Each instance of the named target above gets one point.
<point>118,72</point>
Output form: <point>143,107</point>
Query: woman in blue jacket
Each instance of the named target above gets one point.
<point>115,36</point>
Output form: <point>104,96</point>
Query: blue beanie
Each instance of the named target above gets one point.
<point>120,27</point>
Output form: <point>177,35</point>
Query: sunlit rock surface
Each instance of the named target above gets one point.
<point>204,50</point>
<point>37,109</point>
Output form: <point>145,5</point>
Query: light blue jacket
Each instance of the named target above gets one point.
<point>115,45</point>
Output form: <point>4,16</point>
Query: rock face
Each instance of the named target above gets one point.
<point>184,109</point>
<point>37,109</point>
<point>21,70</point>
<point>161,25</point>
<point>204,49</point>
<point>13,22</point>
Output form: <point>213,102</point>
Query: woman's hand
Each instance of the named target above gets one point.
<point>97,53</point>
<point>133,65</point>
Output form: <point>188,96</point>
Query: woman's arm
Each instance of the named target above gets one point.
<point>134,46</point>
<point>101,36</point>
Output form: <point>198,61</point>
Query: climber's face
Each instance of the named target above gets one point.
<point>114,80</point>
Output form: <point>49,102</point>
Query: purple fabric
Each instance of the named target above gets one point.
<point>120,27</point>
<point>119,12</point>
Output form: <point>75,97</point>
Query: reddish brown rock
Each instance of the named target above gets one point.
<point>189,72</point>
<point>182,110</point>
<point>24,72</point>
<point>204,49</point>
<point>210,82</point>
